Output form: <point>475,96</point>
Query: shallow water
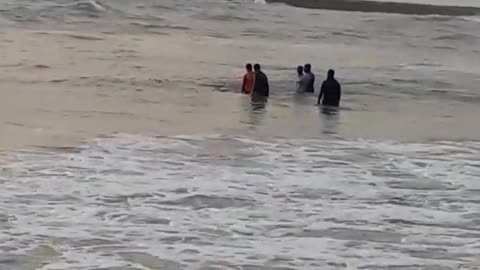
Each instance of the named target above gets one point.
<point>189,175</point>
<point>221,202</point>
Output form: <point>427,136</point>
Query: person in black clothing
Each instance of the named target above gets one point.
<point>310,78</point>
<point>261,89</point>
<point>330,91</point>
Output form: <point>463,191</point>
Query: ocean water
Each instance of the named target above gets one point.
<point>388,181</point>
<point>221,202</point>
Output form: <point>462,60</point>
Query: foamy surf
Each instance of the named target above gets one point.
<point>178,202</point>
<point>97,6</point>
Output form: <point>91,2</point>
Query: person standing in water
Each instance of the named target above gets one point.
<point>301,80</point>
<point>261,89</point>
<point>310,77</point>
<point>331,91</point>
<point>248,80</point>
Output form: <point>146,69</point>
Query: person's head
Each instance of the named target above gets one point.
<point>256,67</point>
<point>248,67</point>
<point>331,74</point>
<point>307,68</point>
<point>300,70</point>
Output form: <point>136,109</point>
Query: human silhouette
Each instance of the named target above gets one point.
<point>331,91</point>
<point>310,77</point>
<point>261,89</point>
<point>248,80</point>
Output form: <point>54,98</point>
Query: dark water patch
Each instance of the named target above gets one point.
<point>382,7</point>
<point>460,226</point>
<point>230,18</point>
<point>403,201</point>
<point>119,268</point>
<point>73,35</point>
<point>211,201</point>
<point>437,18</point>
<point>15,124</point>
<point>58,80</point>
<point>146,220</point>
<point>337,265</point>
<point>440,254</point>
<point>315,194</point>
<point>125,197</point>
<point>259,172</point>
<point>151,26</point>
<point>84,37</point>
<point>187,239</point>
<point>316,36</point>
<point>349,34</point>
<point>41,66</point>
<point>348,222</point>
<point>404,267</point>
<point>352,234</point>
<point>263,267</point>
<point>369,83</point>
<point>448,48</point>
<point>121,172</point>
<point>50,198</point>
<point>427,64</point>
<point>421,184</point>
<point>60,149</point>
<point>456,37</point>
<point>190,251</point>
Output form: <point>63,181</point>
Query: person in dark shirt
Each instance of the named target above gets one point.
<point>261,89</point>
<point>330,91</point>
<point>310,78</point>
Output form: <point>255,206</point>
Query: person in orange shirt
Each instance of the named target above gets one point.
<point>248,80</point>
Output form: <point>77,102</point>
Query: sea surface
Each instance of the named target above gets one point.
<point>391,180</point>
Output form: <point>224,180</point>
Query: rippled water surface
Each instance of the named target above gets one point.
<point>391,180</point>
<point>218,202</point>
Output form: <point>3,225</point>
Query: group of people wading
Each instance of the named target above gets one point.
<point>255,83</point>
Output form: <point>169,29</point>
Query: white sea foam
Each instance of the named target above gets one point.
<point>192,202</point>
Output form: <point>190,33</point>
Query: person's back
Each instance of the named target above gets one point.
<point>261,87</point>
<point>330,91</point>
<point>248,80</point>
<point>310,79</point>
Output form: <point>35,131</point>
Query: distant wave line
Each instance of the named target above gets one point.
<point>382,7</point>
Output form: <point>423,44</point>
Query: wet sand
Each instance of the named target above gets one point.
<point>61,88</point>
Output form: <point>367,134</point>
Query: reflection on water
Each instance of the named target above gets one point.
<point>330,119</point>
<point>255,111</point>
